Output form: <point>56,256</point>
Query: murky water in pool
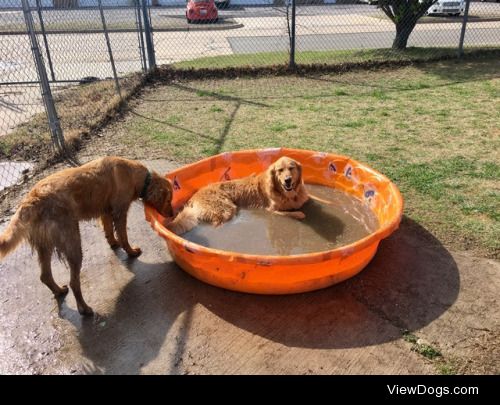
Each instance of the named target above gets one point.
<point>326,226</point>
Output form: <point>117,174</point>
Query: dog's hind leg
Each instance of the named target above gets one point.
<point>75,265</point>
<point>220,213</point>
<point>44,257</point>
<point>107,224</point>
<point>71,248</point>
<point>120,221</point>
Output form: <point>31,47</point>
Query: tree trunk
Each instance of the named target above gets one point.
<point>403,31</point>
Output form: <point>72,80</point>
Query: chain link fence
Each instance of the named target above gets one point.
<point>66,66</point>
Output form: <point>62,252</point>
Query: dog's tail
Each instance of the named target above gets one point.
<point>13,235</point>
<point>186,220</point>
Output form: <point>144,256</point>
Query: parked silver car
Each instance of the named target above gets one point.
<point>449,7</point>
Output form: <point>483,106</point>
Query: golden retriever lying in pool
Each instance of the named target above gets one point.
<point>279,190</point>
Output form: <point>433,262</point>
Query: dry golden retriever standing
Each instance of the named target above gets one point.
<point>48,216</point>
<point>279,190</point>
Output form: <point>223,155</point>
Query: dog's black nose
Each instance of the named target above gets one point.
<point>288,180</point>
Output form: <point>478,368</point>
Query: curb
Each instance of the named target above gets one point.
<point>192,28</point>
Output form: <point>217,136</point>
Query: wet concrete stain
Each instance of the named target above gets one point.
<point>341,221</point>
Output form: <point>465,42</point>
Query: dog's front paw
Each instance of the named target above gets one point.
<point>134,252</point>
<point>85,310</point>
<point>299,215</point>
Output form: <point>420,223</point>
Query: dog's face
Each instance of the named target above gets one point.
<point>159,195</point>
<point>287,174</point>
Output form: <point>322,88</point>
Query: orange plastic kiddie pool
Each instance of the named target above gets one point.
<point>281,274</point>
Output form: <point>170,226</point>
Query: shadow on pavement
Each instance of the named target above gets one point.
<point>411,281</point>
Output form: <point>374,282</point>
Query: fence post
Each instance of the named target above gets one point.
<point>56,133</point>
<point>462,32</point>
<point>44,34</point>
<point>110,52</point>
<point>292,38</point>
<point>138,22</point>
<point>149,37</point>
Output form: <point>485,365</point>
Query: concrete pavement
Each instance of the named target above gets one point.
<point>155,319</point>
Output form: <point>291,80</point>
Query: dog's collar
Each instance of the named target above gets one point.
<point>147,182</point>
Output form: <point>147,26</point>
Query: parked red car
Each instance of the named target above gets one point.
<point>201,10</point>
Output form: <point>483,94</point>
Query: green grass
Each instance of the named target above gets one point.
<point>281,126</point>
<point>216,109</point>
<point>81,110</point>
<point>433,129</point>
<point>321,57</point>
<point>421,348</point>
<point>165,23</point>
<point>427,351</point>
<point>71,26</point>
<point>446,368</point>
<point>409,337</point>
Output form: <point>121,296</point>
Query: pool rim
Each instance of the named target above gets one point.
<point>314,257</point>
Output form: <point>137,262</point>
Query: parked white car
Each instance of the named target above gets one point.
<point>450,7</point>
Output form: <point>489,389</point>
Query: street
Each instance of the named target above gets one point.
<point>77,55</point>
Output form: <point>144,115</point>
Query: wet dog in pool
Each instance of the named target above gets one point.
<point>279,189</point>
<point>48,217</point>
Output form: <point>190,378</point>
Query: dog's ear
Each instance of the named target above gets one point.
<point>271,171</point>
<point>170,189</point>
<point>271,178</point>
<point>299,170</point>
